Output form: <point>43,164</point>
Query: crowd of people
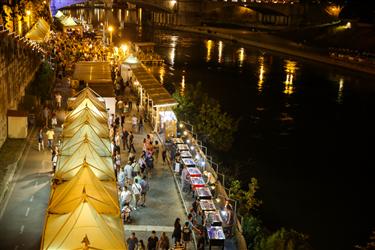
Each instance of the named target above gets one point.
<point>68,48</point>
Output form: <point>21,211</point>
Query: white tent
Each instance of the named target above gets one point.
<point>83,228</point>
<point>101,129</point>
<point>69,165</point>
<point>39,32</point>
<point>87,133</point>
<point>101,194</point>
<point>88,93</point>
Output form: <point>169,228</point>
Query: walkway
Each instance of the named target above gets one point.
<point>22,212</point>
<point>163,203</point>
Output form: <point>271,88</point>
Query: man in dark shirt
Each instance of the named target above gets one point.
<point>132,242</point>
<point>152,241</point>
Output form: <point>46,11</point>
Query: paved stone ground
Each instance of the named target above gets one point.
<point>163,204</point>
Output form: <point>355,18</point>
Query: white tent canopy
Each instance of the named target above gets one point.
<point>86,133</point>
<point>69,230</point>
<point>101,194</point>
<point>100,129</point>
<point>69,165</point>
<point>39,32</point>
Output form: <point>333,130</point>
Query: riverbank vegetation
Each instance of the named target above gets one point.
<point>217,129</point>
<point>214,127</point>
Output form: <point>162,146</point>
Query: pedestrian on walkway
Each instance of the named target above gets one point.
<point>117,162</point>
<point>186,234</point>
<point>111,120</point>
<point>118,139</point>
<point>152,241</point>
<point>128,173</point>
<point>136,190</point>
<point>54,120</point>
<point>156,151</point>
<point>121,178</point>
<point>54,161</point>
<point>134,123</point>
<point>164,156</point>
<point>132,242</point>
<point>46,115</point>
<point>177,232</point>
<point>124,137</point>
<point>131,142</point>
<point>58,99</point>
<point>50,135</point>
<point>140,125</point>
<point>123,120</point>
<point>201,241</point>
<point>163,242</point>
<point>145,188</point>
<point>40,139</point>
<point>141,245</point>
<point>137,103</point>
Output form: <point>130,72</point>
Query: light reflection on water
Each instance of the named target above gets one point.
<point>289,109</point>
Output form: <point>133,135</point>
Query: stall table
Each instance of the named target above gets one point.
<point>185,154</point>
<point>194,172</point>
<point>188,162</point>
<point>177,141</point>
<point>182,147</point>
<point>197,182</point>
<point>213,218</point>
<point>216,236</point>
<point>203,193</point>
<point>207,205</point>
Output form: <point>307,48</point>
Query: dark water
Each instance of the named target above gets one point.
<point>306,130</point>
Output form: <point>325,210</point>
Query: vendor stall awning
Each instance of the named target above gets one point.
<point>87,94</point>
<point>93,72</point>
<point>69,165</point>
<point>39,32</point>
<point>158,94</point>
<point>101,194</point>
<point>83,225</point>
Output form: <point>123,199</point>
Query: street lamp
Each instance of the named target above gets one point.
<point>110,29</point>
<point>28,14</point>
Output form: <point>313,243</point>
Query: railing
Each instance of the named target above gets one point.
<point>206,162</point>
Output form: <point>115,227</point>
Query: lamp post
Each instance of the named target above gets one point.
<point>110,29</point>
<point>28,14</point>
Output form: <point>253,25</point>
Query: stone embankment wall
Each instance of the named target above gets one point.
<point>19,61</point>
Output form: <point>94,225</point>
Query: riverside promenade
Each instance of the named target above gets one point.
<point>273,43</point>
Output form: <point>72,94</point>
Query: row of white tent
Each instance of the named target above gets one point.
<point>83,210</point>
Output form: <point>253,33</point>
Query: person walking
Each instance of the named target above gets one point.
<point>128,169</point>
<point>164,156</point>
<point>131,142</point>
<point>141,245</point>
<point>50,135</point>
<point>124,137</point>
<point>177,232</point>
<point>145,188</point>
<point>46,115</point>
<point>54,120</point>
<point>54,161</point>
<point>134,123</point>
<point>58,99</point>
<point>186,234</point>
<point>163,242</point>
<point>152,241</point>
<point>140,125</point>
<point>156,150</point>
<point>125,196</point>
<point>117,162</point>
<point>137,190</point>
<point>132,242</point>
<point>40,139</point>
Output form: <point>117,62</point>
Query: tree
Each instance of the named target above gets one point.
<point>284,239</point>
<point>42,84</point>
<point>370,245</point>
<point>247,198</point>
<point>253,231</point>
<point>213,126</point>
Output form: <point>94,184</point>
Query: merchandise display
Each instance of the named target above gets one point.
<point>188,162</point>
<point>182,147</point>
<point>207,205</point>
<point>194,172</point>
<point>203,193</point>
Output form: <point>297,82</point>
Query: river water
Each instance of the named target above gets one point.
<point>306,129</point>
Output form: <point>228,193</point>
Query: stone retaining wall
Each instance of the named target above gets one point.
<point>19,61</point>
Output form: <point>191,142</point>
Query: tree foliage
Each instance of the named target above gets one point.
<point>247,198</point>
<point>213,126</point>
<point>284,239</point>
<point>253,231</point>
<point>370,245</point>
<point>42,84</point>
